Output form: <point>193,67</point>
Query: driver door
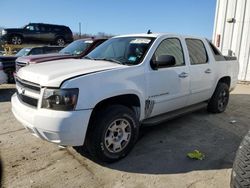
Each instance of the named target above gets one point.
<point>31,32</point>
<point>168,87</point>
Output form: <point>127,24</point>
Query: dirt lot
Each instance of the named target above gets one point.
<point>158,159</point>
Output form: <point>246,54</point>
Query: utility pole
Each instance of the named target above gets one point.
<point>80,30</point>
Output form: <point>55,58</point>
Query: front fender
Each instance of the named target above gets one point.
<point>96,87</point>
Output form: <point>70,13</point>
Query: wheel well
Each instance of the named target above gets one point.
<point>128,100</point>
<point>131,101</point>
<point>226,80</point>
<point>16,34</point>
<point>59,36</point>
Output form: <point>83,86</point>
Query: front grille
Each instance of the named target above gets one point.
<point>28,85</point>
<point>28,92</point>
<point>28,100</point>
<point>20,65</point>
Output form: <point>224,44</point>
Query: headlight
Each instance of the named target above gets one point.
<point>60,99</point>
<point>4,32</point>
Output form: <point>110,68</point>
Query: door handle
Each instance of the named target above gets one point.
<point>183,75</point>
<point>208,71</point>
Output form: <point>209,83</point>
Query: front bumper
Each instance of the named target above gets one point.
<point>60,127</point>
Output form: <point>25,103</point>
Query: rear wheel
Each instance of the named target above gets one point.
<point>16,40</point>
<point>219,100</point>
<point>60,41</point>
<point>113,134</point>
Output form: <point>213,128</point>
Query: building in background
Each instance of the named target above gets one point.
<point>232,32</point>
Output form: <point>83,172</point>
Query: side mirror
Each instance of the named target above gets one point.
<point>163,61</point>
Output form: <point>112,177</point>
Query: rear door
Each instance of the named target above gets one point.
<point>168,88</point>
<point>44,33</point>
<point>201,71</point>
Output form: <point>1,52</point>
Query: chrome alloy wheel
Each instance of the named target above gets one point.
<point>60,42</point>
<point>117,135</point>
<point>16,40</point>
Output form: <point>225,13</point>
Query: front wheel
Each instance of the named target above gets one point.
<point>16,40</point>
<point>220,98</point>
<point>114,133</point>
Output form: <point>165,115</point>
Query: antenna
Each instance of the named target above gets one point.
<point>149,32</point>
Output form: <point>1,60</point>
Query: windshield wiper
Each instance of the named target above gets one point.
<point>110,59</point>
<point>87,57</point>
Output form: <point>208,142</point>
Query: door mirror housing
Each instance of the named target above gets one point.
<point>163,61</point>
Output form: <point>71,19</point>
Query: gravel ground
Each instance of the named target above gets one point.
<point>158,159</point>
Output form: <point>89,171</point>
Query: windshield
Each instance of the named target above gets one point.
<point>77,47</point>
<point>124,50</point>
<point>23,52</point>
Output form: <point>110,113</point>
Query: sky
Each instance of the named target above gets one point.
<point>190,17</point>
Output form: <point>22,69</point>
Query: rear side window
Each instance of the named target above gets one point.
<point>67,29</point>
<point>171,46</point>
<point>217,55</point>
<point>197,51</point>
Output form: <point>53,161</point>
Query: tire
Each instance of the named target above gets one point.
<point>112,125</point>
<point>60,41</point>
<point>16,40</point>
<point>220,98</point>
<point>240,176</point>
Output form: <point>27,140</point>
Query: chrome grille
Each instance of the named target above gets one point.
<point>28,92</point>
<point>28,85</point>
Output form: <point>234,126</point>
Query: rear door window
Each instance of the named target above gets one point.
<point>197,51</point>
<point>217,55</point>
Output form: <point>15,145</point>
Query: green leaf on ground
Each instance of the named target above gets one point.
<point>196,155</point>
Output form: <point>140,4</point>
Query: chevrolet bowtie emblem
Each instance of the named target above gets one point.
<point>22,91</point>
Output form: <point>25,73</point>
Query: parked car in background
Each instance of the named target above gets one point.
<point>8,62</point>
<point>76,49</point>
<point>128,81</point>
<point>38,33</point>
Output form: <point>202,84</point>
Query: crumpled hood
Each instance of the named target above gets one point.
<point>53,73</point>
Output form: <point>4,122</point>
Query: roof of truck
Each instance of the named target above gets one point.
<point>155,35</point>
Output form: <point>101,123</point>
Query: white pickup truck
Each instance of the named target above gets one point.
<point>102,100</point>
